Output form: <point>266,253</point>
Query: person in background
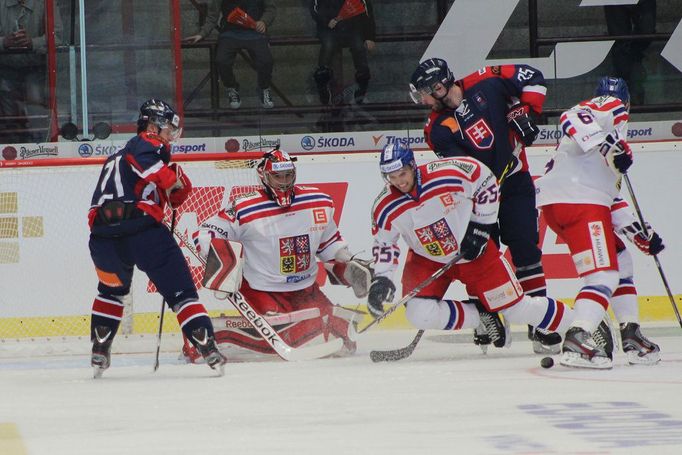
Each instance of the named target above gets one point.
<point>340,24</point>
<point>242,25</point>
<point>23,68</point>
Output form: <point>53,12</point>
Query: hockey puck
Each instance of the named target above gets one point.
<point>547,362</point>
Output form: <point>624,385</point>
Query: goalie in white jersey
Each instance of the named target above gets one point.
<point>579,199</point>
<point>442,209</point>
<point>283,228</point>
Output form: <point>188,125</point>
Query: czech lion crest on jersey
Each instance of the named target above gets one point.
<point>437,238</point>
<point>294,254</point>
<point>480,134</point>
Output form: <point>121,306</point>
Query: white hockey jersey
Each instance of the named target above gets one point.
<point>433,219</point>
<point>280,244</point>
<point>578,173</point>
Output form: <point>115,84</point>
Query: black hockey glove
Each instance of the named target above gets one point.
<point>381,290</point>
<point>475,240</point>
<point>617,152</point>
<point>519,120</point>
<point>650,244</point>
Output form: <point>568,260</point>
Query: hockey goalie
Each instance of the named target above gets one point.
<point>276,232</point>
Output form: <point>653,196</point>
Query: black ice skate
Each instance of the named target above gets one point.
<point>638,349</point>
<point>491,330</point>
<point>101,350</point>
<point>208,350</point>
<point>581,350</point>
<point>546,342</point>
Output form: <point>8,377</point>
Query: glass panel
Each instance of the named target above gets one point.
<point>24,95</point>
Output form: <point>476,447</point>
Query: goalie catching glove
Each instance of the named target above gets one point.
<point>518,119</point>
<point>382,290</point>
<point>650,244</point>
<point>356,273</point>
<point>617,152</point>
<point>475,240</point>
<point>181,189</point>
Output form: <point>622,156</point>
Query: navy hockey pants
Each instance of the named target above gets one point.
<point>154,251</point>
<point>518,219</point>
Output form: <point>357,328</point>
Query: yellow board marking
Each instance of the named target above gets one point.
<point>10,440</point>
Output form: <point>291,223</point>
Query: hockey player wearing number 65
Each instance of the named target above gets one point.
<point>442,209</point>
<point>283,228</point>
<point>579,197</point>
<point>126,231</point>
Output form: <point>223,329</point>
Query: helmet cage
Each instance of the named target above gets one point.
<point>277,172</point>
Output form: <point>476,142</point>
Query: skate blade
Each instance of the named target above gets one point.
<point>546,349</point>
<point>651,358</point>
<point>97,372</point>
<point>575,360</point>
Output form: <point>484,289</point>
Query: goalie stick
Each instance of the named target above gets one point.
<point>646,232</point>
<point>435,275</point>
<point>264,329</point>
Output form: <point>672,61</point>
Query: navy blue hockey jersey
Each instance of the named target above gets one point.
<point>478,127</point>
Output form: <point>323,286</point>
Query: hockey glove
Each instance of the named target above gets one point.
<point>617,152</point>
<point>519,120</point>
<point>182,188</point>
<point>382,290</point>
<point>475,240</point>
<point>649,245</point>
<point>356,273</point>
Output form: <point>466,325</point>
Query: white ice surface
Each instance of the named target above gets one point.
<point>447,398</point>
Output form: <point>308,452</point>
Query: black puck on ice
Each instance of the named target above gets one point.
<point>547,362</point>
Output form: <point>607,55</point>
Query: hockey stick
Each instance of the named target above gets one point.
<point>264,329</point>
<point>646,232</point>
<point>394,355</point>
<point>163,309</point>
<point>435,275</point>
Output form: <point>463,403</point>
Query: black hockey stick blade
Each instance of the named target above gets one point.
<point>396,354</point>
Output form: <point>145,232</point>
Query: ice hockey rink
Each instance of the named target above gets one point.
<point>446,398</point>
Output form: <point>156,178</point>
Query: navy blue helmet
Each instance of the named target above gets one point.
<point>158,113</point>
<point>613,86</point>
<point>394,157</point>
<point>427,75</point>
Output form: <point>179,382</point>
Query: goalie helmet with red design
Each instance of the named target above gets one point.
<point>278,174</point>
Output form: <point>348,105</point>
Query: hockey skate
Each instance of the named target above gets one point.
<point>546,342</point>
<point>582,350</point>
<point>638,349</point>
<point>209,351</point>
<point>491,330</point>
<point>101,350</point>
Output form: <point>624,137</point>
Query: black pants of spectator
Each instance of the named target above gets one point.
<point>19,89</point>
<point>628,55</point>
<point>331,43</point>
<point>257,49</point>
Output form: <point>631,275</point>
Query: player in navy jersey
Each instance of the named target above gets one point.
<point>487,115</point>
<point>126,230</point>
